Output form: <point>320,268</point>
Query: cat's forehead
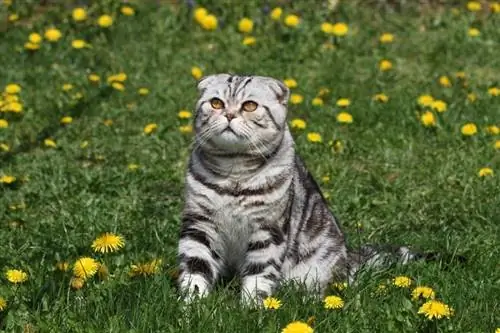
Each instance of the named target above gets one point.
<point>237,86</point>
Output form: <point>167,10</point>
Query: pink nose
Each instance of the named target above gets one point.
<point>229,116</point>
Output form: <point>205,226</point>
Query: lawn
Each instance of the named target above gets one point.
<point>395,109</point>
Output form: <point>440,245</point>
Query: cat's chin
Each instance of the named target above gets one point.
<point>230,141</point>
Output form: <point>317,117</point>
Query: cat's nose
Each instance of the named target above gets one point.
<point>229,116</point>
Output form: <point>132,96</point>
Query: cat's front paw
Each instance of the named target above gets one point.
<point>193,287</point>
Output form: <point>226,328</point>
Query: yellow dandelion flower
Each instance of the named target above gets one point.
<point>66,120</point>
<point>248,41</point>
<point>439,105</point>
<point>13,17</point>
<point>425,100</point>
<point>327,28</point>
<point>314,137</point>
<point>474,6</point>
<point>444,81</point>
<point>402,281</point>
<point>333,302</point>
<point>186,129</point>
<point>6,179</point>
<point>383,98</point>
<point>493,130</point>
<point>108,242</point>
<point>15,107</point>
<point>325,179</point>
<point>276,13</point>
<point>184,114</point>
<point>145,269</point>
<point>3,304</point>
<point>196,72</point>
<point>199,14</point>
<point>290,83</point>
<point>298,123</point>
<point>495,8</point>
<point>498,329</point>
<point>143,91</point>
<point>77,283</point>
<point>386,38</point>
<point>4,147</point>
<point>150,128</point>
<point>297,327</point>
<point>4,123</point>
<point>62,266</point>
<point>49,143</point>
<point>317,101</point>
<point>67,87</point>
<point>471,97</point>
<point>16,276</point>
<point>494,91</point>
<point>485,172</point>
<point>292,20</point>
<point>460,75</point>
<point>108,122</point>
<point>118,86</point>
<point>344,118</point>
<point>385,65</point>
<point>435,309</point>
<point>245,25</point>
<point>127,11</point>
<point>209,22</point>
<point>272,303</point>
<point>85,267</point>
<point>473,32</point>
<point>52,34</point>
<point>12,88</point>
<point>79,44</point>
<point>423,292</point>
<point>105,21</point>
<point>79,14</point>
<point>343,102</point>
<point>469,129</point>
<point>296,98</point>
<point>133,166</point>
<point>428,119</point>
<point>340,29</point>
<point>120,77</point>
<point>94,78</point>
<point>35,38</point>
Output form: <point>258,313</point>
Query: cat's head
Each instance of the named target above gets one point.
<point>240,113</point>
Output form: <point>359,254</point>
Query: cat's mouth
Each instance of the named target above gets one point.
<point>229,130</point>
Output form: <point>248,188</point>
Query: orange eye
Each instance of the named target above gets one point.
<point>249,106</point>
<point>216,103</point>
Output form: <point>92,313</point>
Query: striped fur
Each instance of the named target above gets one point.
<point>251,206</point>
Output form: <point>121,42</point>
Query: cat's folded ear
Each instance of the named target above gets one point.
<point>209,80</point>
<point>280,89</point>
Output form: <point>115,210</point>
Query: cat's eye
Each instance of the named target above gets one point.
<point>216,103</point>
<point>249,106</point>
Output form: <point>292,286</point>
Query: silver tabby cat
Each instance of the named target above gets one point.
<point>251,207</point>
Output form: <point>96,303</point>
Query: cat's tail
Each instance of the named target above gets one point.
<point>376,256</point>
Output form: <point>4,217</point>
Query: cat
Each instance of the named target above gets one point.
<point>251,207</point>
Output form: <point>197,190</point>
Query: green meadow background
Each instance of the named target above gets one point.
<point>388,177</point>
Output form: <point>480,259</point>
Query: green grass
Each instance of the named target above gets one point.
<point>395,182</point>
